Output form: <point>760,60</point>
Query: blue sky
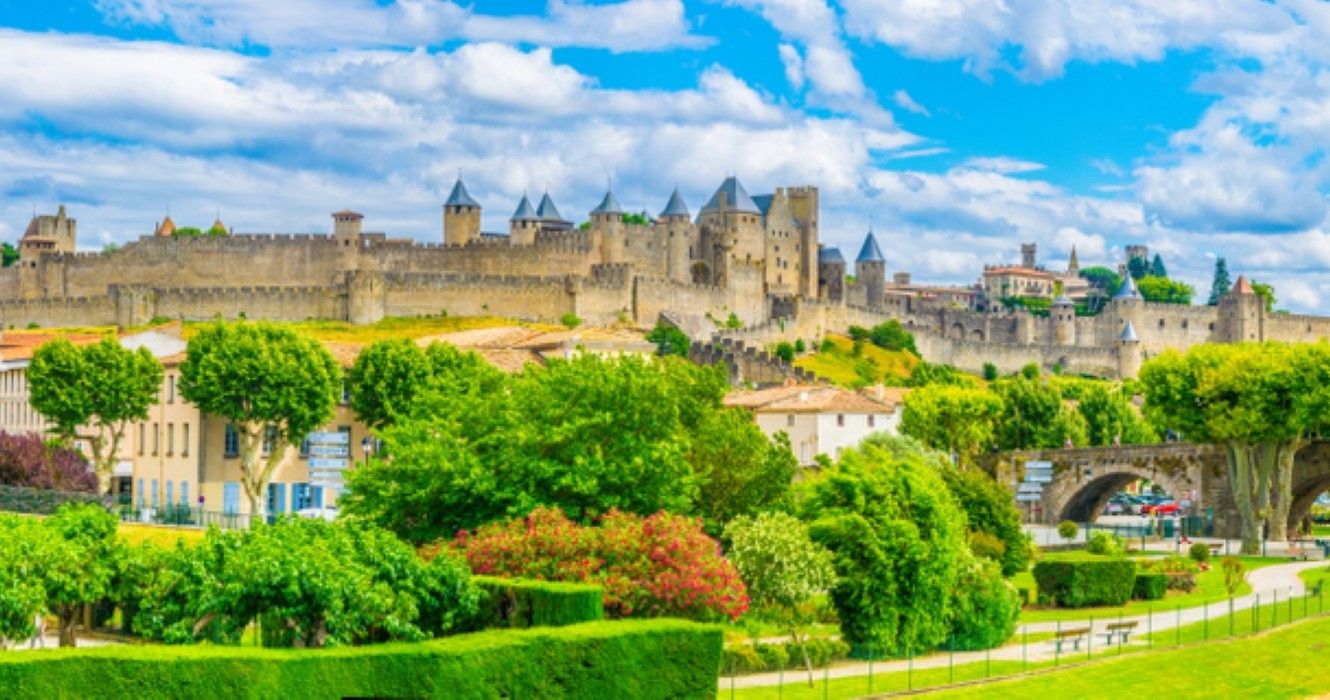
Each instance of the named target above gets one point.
<point>956,128</point>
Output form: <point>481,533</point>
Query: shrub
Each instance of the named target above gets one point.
<point>990,371</point>
<point>655,566</point>
<point>29,461</point>
<point>990,510</point>
<point>1104,543</point>
<point>1077,583</point>
<point>1199,552</point>
<point>669,340</point>
<point>984,607</point>
<point>799,345</point>
<point>987,546</point>
<point>521,603</point>
<point>1181,581</point>
<point>1150,586</point>
<point>758,657</point>
<point>631,659</point>
<point>19,499</point>
<point>779,563</point>
<point>785,351</point>
<point>1067,530</point>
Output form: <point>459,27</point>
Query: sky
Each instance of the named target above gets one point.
<point>955,129</point>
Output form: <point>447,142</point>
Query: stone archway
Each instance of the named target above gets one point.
<point>958,331</point>
<point>977,335</point>
<point>1311,478</point>
<point>1083,483</point>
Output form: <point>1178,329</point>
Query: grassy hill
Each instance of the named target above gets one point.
<point>837,361</point>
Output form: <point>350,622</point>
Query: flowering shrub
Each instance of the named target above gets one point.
<point>663,565</point>
<point>26,460</point>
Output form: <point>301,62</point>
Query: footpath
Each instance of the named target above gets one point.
<point>1266,583</point>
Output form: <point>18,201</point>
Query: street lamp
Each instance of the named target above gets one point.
<point>366,444</point>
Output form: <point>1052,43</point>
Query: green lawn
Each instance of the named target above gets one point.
<point>1285,663</point>
<point>1209,588</point>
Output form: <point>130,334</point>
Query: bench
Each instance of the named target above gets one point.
<point>1119,629</point>
<point>1214,548</point>
<point>1297,549</point>
<point>1070,635</point>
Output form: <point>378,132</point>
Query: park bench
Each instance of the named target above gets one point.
<point>1214,548</point>
<point>1074,636</point>
<point>1119,629</point>
<point>1297,549</point>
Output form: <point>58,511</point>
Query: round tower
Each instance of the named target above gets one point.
<point>607,221</point>
<point>1130,355</point>
<point>461,216</point>
<point>870,269</point>
<point>1127,306</point>
<point>675,219</point>
<point>523,224</point>
<point>831,274</point>
<point>1063,318</point>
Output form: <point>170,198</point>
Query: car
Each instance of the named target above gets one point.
<point>1168,507</point>
<point>1115,508</point>
<point>328,513</point>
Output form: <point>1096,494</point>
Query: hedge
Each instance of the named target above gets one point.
<point>522,603</point>
<point>21,499</point>
<point>661,658</point>
<point>1150,587</point>
<point>1077,583</point>
<point>757,657</point>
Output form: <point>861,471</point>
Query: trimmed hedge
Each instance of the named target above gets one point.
<point>21,499</point>
<point>522,603</point>
<point>1150,587</point>
<point>757,657</point>
<point>660,658</point>
<point>1077,583</point>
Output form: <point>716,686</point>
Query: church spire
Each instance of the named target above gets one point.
<point>1073,265</point>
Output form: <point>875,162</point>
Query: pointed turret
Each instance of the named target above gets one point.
<point>1129,334</point>
<point>1130,353</point>
<point>871,269</point>
<point>870,252</point>
<point>1128,289</point>
<point>731,196</point>
<point>547,211</point>
<point>459,197</point>
<point>166,228</point>
<point>676,206</point>
<point>608,205</point>
<point>1242,286</point>
<point>1073,265</point>
<point>524,211</point>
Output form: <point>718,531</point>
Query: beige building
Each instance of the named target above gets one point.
<point>1010,281</point>
<point>817,419</point>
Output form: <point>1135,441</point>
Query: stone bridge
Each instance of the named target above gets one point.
<point>1085,478</point>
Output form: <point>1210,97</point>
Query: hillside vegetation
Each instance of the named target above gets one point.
<point>837,360</point>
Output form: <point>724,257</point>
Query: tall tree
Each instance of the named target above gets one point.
<point>1034,416</point>
<point>960,421</point>
<point>1157,268</point>
<point>739,470</point>
<point>266,380</point>
<point>1138,267</point>
<point>1109,414</point>
<point>8,254</point>
<point>93,392</point>
<point>385,378</point>
<point>1221,284</point>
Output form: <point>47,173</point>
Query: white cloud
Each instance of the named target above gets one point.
<point>907,103</point>
<point>1003,164</point>
<point>794,65</point>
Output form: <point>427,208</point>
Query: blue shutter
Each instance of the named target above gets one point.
<point>142,495</point>
<point>154,493</point>
<point>231,497</point>
<point>184,493</point>
<point>170,493</point>
<point>317,498</point>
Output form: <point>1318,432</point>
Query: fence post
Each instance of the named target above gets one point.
<point>909,670</point>
<point>1230,616</point>
<point>1177,624</point>
<point>1290,603</point>
<point>1120,635</point>
<point>1089,640</point>
<point>1205,616</point>
<point>870,669</point>
<point>826,681</point>
<point>1025,649</point>
<point>1274,608</point>
<point>1150,625</point>
<point>1256,614</point>
<point>988,662</point>
<point>780,688</point>
<point>1057,644</point>
<point>951,659</point>
<point>732,672</point>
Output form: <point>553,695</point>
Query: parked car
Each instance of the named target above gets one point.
<point>328,513</point>
<point>1169,507</point>
<point>1114,508</point>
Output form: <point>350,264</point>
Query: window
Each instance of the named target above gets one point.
<point>231,497</point>
<point>170,492</point>
<point>170,439</point>
<point>170,388</point>
<point>304,447</point>
<point>871,418</point>
<point>789,420</point>
<point>346,392</point>
<point>184,439</point>
<point>276,498</point>
<point>143,437</point>
<point>269,438</point>
<point>300,497</point>
<point>140,493</point>
<point>231,441</point>
<point>316,496</point>
<point>156,437</point>
<point>840,420</point>
<point>154,493</point>
<point>184,493</point>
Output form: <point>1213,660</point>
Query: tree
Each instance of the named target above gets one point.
<point>25,460</point>
<point>80,563</point>
<point>273,385</point>
<point>8,254</point>
<point>1034,416</point>
<point>1164,290</point>
<point>738,469</point>
<point>454,371</point>
<point>1221,284</point>
<point>892,336</point>
<point>1267,294</point>
<point>782,568</point>
<point>1138,267</point>
<point>385,378</point>
<point>1104,282</point>
<point>1261,402</point>
<point>957,420</point>
<point>1157,268</point>
<point>990,509</point>
<point>1108,413</point>
<point>98,389</point>
<point>669,340</point>
<point>927,374</point>
<point>23,542</point>
<point>785,351</point>
<point>898,541</point>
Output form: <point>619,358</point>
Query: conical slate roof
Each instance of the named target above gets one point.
<point>460,197</point>
<point>608,205</point>
<point>736,198</point>
<point>524,211</point>
<point>1129,334</point>
<point>1242,286</point>
<point>676,206</point>
<point>830,255</point>
<point>870,252</point>
<point>547,211</point>
<point>1128,290</point>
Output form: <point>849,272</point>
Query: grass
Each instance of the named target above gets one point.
<point>1284,663</point>
<point>1209,589</point>
<point>835,360</point>
<point>134,534</point>
<point>1321,531</point>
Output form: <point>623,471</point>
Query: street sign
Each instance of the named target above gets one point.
<point>1028,497</point>
<point>1029,488</point>
<point>317,463</point>
<point>1038,466</point>
<point>329,451</point>
<point>1039,478</point>
<point>329,454</point>
<point>339,437</point>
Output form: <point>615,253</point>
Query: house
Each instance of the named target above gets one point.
<point>818,419</point>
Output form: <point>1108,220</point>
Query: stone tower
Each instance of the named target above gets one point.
<point>1073,265</point>
<point>461,216</point>
<point>871,270</point>
<point>1127,306</point>
<point>736,223</point>
<point>831,274</point>
<point>1063,317</point>
<point>1242,313</point>
<point>804,206</point>
<point>678,238</point>
<point>1028,255</point>
<point>523,224</point>
<point>346,228</point>
<point>607,223</point>
<point>1129,353</point>
<point>48,234</point>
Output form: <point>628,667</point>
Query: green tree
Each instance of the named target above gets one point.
<point>1221,284</point>
<point>785,351</point>
<point>273,385</point>
<point>455,371</point>
<point>1138,267</point>
<point>898,541</point>
<point>79,564</point>
<point>93,392</point>
<point>23,545</point>
<point>187,232</point>
<point>8,254</point>
<point>1267,294</point>
<point>1034,416</point>
<point>928,374</point>
<point>990,509</point>
<point>1109,413</point>
<point>385,378</point>
<point>1157,268</point>
<point>892,336</point>
<point>216,232</point>
<point>1164,290</point>
<point>960,421</point>
<point>739,471</point>
<point>1103,279</point>
<point>669,340</point>
<point>990,371</point>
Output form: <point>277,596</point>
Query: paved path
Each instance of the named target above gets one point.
<point>1270,583</point>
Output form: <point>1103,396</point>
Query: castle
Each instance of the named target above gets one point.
<point>754,258</point>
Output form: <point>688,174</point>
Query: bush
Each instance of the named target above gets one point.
<point>520,603</point>
<point>669,340</point>
<point>1104,543</point>
<point>785,351</point>
<point>1067,530</point>
<point>987,546</point>
<point>631,659</point>
<point>990,371</point>
<point>570,320</point>
<point>1199,552</point>
<point>759,657</point>
<point>1150,587</point>
<point>29,461</point>
<point>1077,583</point>
<point>984,608</point>
<point>990,510</point>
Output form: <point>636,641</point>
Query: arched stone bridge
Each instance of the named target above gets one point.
<point>1085,478</point>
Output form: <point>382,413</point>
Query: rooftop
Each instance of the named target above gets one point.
<point>870,253</point>
<point>736,198</point>
<point>1006,270</point>
<point>459,197</point>
<point>806,399</point>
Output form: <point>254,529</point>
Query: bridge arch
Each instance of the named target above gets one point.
<point>1311,478</point>
<point>1081,498</point>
